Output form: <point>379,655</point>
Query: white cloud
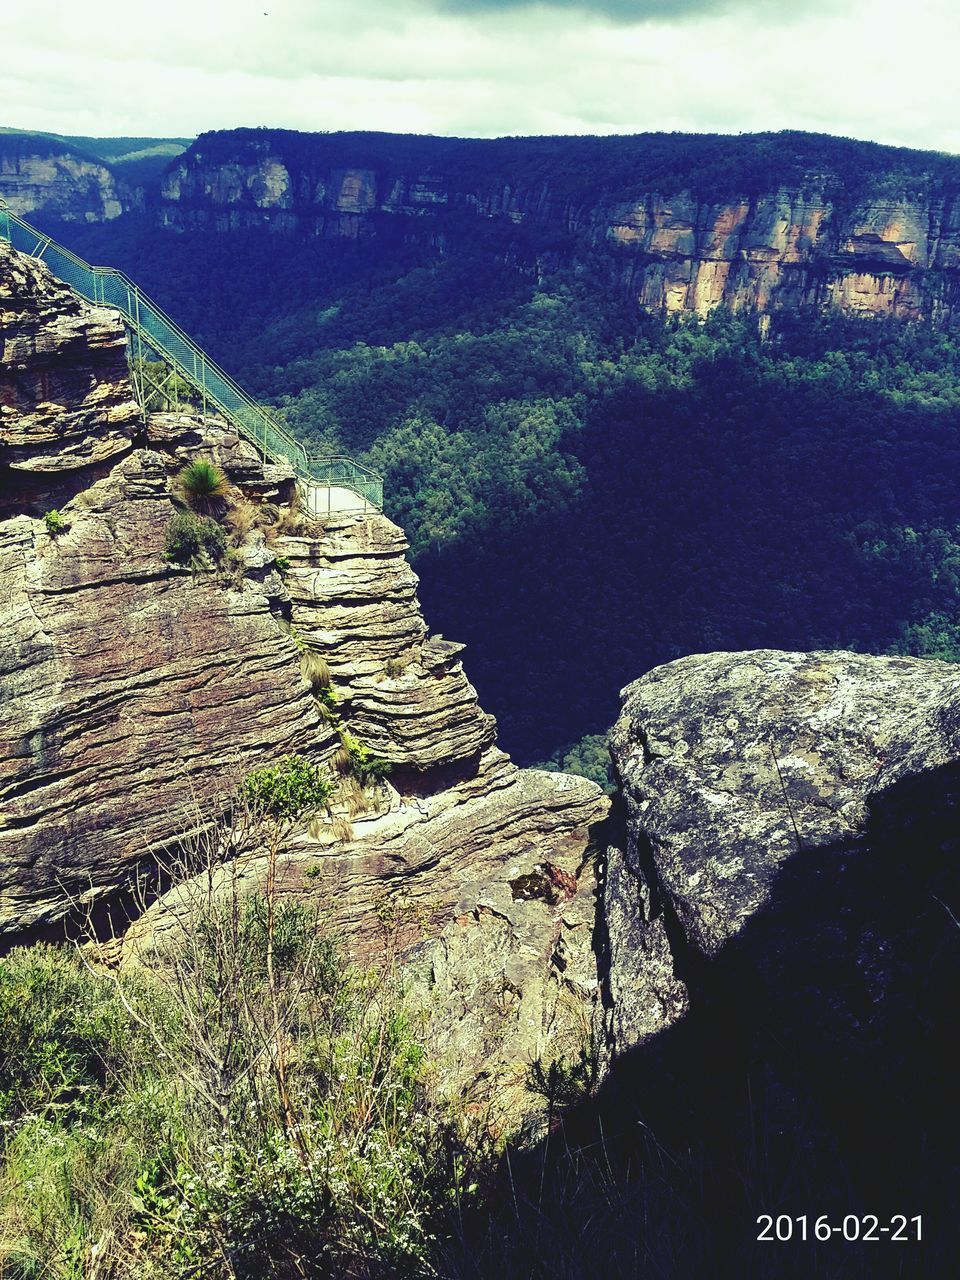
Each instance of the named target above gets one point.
<point>477,67</point>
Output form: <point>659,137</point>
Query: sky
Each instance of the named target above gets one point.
<point>875,69</point>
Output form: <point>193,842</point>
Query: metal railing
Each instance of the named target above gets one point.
<point>111,288</point>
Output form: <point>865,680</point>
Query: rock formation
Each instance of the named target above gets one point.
<point>818,237</point>
<point>136,694</point>
<point>37,176</point>
<point>65,395</point>
<point>743,773</point>
<point>782,951</point>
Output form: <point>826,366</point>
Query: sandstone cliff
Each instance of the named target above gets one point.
<point>776,222</point>
<point>58,182</point>
<point>65,395</point>
<point>137,693</point>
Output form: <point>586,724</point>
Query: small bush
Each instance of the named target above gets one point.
<point>203,486</point>
<point>365,766</point>
<point>56,523</point>
<point>327,703</point>
<point>59,1032</point>
<point>290,790</point>
<point>194,540</point>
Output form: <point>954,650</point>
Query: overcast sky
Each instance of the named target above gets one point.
<point>877,69</point>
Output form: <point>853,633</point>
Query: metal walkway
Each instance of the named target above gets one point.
<point>328,484</point>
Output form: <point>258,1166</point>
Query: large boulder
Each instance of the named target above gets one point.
<point>781,932</point>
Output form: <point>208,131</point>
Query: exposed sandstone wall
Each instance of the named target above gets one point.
<point>132,693</point>
<point>61,185</point>
<point>136,694</point>
<point>65,395</point>
<point>789,247</point>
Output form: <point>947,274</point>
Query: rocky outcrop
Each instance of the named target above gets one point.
<point>791,249</point>
<point>137,693</point>
<point>354,599</point>
<point>782,805</point>
<point>57,182</point>
<point>65,395</point>
<point>133,695</point>
<point>825,235</point>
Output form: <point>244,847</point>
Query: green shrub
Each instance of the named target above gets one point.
<point>113,1164</point>
<point>56,523</point>
<point>203,486</point>
<point>290,790</point>
<point>365,766</point>
<point>61,1030</point>
<point>194,540</point>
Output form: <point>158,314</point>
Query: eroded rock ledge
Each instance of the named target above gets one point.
<point>136,694</point>
<point>65,395</point>
<point>789,809</point>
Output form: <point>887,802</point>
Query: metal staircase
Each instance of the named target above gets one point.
<point>327,483</point>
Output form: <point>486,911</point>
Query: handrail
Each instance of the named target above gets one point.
<point>106,286</point>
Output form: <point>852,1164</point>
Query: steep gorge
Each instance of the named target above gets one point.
<point>137,693</point>
<point>767,945</point>
<point>788,225</point>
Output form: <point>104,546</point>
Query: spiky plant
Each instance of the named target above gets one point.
<point>203,486</point>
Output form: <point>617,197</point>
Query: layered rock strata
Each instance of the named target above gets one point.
<point>353,598</point>
<point>132,694</point>
<point>65,394</point>
<point>136,694</point>
<point>61,184</point>
<point>673,247</point>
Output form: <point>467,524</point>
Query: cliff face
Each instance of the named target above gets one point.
<point>820,239</point>
<point>137,694</point>
<point>790,249</point>
<point>59,184</point>
<point>65,397</point>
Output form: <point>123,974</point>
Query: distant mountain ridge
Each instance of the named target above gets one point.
<point>684,222</point>
<point>77,178</point>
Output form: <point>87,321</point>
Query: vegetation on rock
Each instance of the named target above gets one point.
<point>55,523</point>
<point>293,788</point>
<point>203,486</point>
<point>194,540</point>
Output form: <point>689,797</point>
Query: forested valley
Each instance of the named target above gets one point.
<point>589,491</point>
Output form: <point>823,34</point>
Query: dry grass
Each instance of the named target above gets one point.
<point>395,667</point>
<point>341,829</point>
<point>315,670</point>
<point>294,519</point>
<point>353,797</point>
<point>240,519</point>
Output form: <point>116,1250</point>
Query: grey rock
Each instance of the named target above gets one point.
<point>738,768</point>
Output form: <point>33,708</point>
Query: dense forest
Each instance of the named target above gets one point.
<point>589,491</point>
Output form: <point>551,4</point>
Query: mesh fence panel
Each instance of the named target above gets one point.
<point>113,289</point>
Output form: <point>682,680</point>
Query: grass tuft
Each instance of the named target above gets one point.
<point>203,487</point>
